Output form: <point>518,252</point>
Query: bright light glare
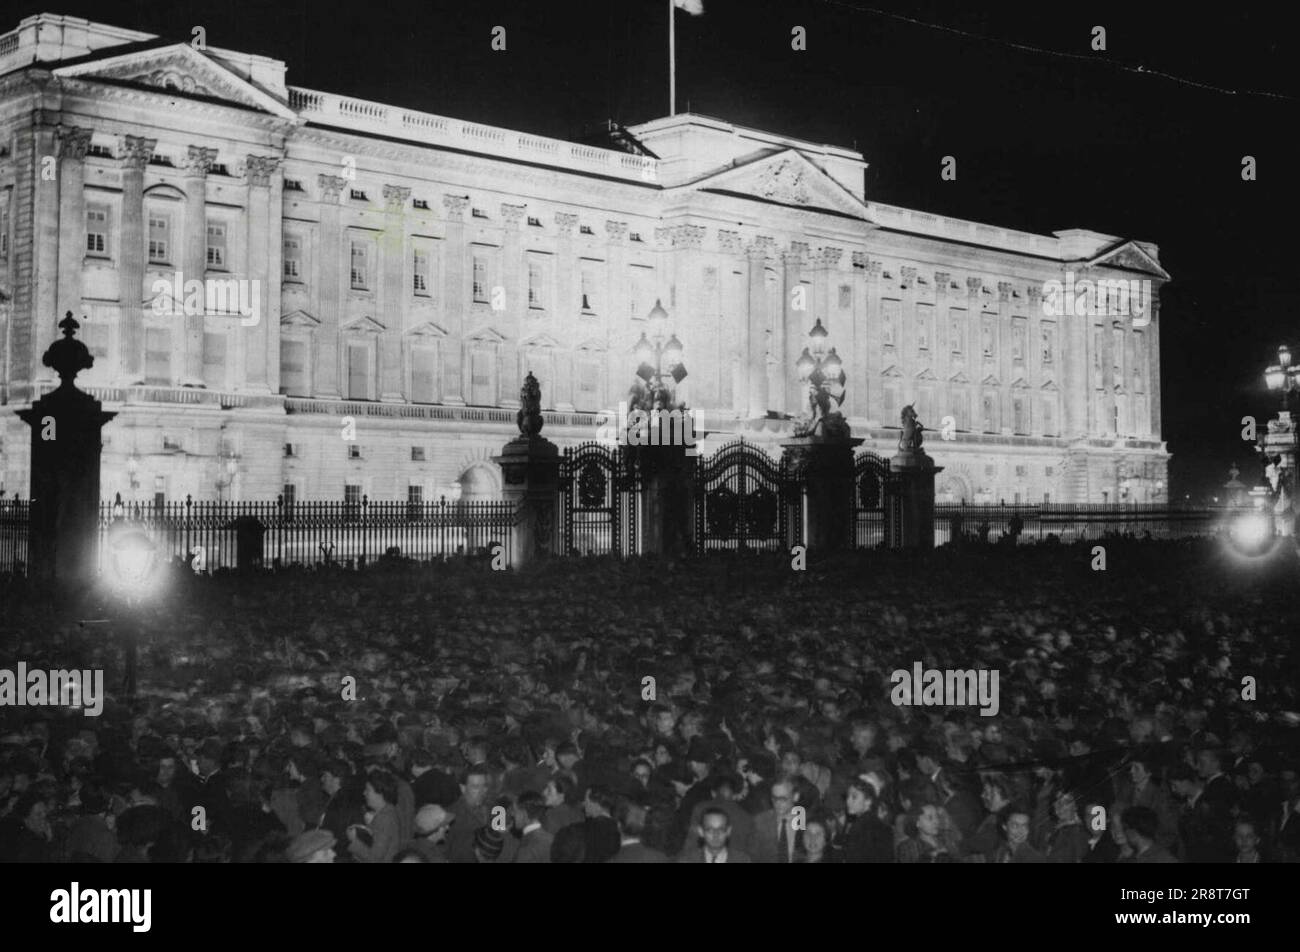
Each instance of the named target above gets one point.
<point>1253,530</point>
<point>132,562</point>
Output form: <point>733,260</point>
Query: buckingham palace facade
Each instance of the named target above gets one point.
<point>391,276</point>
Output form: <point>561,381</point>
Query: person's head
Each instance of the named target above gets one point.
<point>410,856</point>
<point>1140,825</point>
<point>530,808</point>
<point>1015,826</point>
<point>381,789</point>
<point>663,754</point>
<point>691,725</point>
<point>570,844</point>
<point>642,771</point>
<point>94,798</point>
<point>166,770</point>
<point>663,720</point>
<point>816,836</point>
<point>558,791</point>
<point>1184,781</point>
<point>599,801</point>
<point>927,759</point>
<point>475,752</point>
<point>995,794</point>
<point>566,755</point>
<point>1255,773</point>
<point>432,823</point>
<point>474,783</point>
<point>927,820</point>
<point>333,774</point>
<point>32,810</point>
<point>1139,772</point>
<point>784,797</point>
<point>1246,836</point>
<point>1208,763</point>
<point>863,736</point>
<point>715,829</point>
<point>630,817</point>
<point>859,797</point>
<point>727,786</point>
<point>791,761</point>
<point>1066,807</point>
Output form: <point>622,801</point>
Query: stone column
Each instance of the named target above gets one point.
<point>942,343</point>
<point>258,169</point>
<point>977,363</point>
<point>1153,364</point>
<point>910,522</point>
<point>395,292</point>
<point>565,307</point>
<point>1074,343</point>
<point>73,144</point>
<point>514,281</point>
<point>823,469</point>
<point>331,272</point>
<point>1006,363</point>
<point>136,152</point>
<point>40,291</point>
<point>66,444</point>
<point>756,322</point>
<point>790,343</point>
<point>685,320</point>
<point>530,465</point>
<point>194,251</point>
<point>459,292</point>
<point>871,402</point>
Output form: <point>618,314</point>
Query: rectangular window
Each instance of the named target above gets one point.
<point>888,322</point>
<point>360,268</point>
<point>957,331</point>
<point>159,238</point>
<point>923,330</point>
<point>292,258</point>
<point>352,499</point>
<point>424,362</point>
<point>94,334</point>
<point>1049,419</point>
<point>420,273</point>
<point>1048,342</point>
<point>4,232</point>
<point>214,360</point>
<point>588,291</point>
<point>289,494</point>
<point>293,368</point>
<point>289,450</point>
<point>97,230</point>
<point>989,414</point>
<point>481,390</point>
<point>415,495</point>
<point>354,451</point>
<point>846,297</point>
<point>417,454</point>
<point>988,335</point>
<point>157,356</point>
<point>480,280</point>
<point>358,372</point>
<point>1018,418</point>
<point>588,380</point>
<point>1018,340</point>
<point>216,245</point>
<point>1117,353</point>
<point>535,298</point>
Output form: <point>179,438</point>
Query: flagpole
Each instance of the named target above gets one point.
<point>672,59</point>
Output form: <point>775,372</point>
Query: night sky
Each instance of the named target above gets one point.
<point>1047,134</point>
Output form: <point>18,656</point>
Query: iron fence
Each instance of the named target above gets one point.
<point>15,520</point>
<point>317,532</point>
<point>1072,522</point>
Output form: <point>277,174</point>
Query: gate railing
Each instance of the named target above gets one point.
<point>745,499</point>
<point>598,500</point>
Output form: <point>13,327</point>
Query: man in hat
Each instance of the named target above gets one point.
<point>314,846</point>
<point>488,845</point>
<point>432,824</point>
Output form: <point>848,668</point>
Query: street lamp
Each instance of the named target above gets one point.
<point>822,370</point>
<point>659,357</point>
<point>1283,377</point>
<point>229,469</point>
<point>133,471</point>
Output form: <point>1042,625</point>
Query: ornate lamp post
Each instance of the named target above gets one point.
<point>229,469</point>
<point>822,371</point>
<point>1279,444</point>
<point>659,357</point>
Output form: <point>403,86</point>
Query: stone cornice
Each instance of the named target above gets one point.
<point>828,257</point>
<point>686,236</point>
<point>796,254</point>
<point>160,100</point>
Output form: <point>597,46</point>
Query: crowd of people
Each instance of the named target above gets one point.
<point>720,709</point>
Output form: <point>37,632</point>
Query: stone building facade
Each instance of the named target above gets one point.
<point>372,284</point>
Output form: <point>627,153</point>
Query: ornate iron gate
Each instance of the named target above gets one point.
<point>743,501</point>
<point>598,501</point>
<point>876,503</point>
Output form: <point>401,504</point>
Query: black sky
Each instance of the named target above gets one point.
<point>1046,138</point>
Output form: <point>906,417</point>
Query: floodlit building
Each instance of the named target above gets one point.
<point>265,270</point>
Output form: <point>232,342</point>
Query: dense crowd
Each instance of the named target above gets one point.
<point>725,709</point>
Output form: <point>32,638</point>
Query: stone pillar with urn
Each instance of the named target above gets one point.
<point>530,464</point>
<point>911,520</point>
<point>66,447</point>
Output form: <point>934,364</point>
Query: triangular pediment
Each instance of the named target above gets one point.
<point>364,325</point>
<point>1130,256</point>
<point>926,374</point>
<point>298,318</point>
<point>540,339</point>
<point>891,371</point>
<point>991,381</point>
<point>785,177</point>
<point>427,329</point>
<point>1019,384</point>
<point>182,70</point>
<point>592,344</point>
<point>959,377</point>
<point>487,335</point>
<point>1050,387</point>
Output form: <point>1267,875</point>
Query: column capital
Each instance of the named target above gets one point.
<point>396,197</point>
<point>729,242</point>
<point>73,142</point>
<point>828,257</point>
<point>795,254</point>
<point>616,230</point>
<point>455,206</point>
<point>1035,296</point>
<point>566,222</point>
<point>331,186</point>
<point>198,161</point>
<point>941,281</point>
<point>907,276</point>
<point>760,247</point>
<point>686,236</point>
<point>1004,290</point>
<point>973,285</point>
<point>136,151</point>
<point>258,169</point>
<point>512,215</point>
